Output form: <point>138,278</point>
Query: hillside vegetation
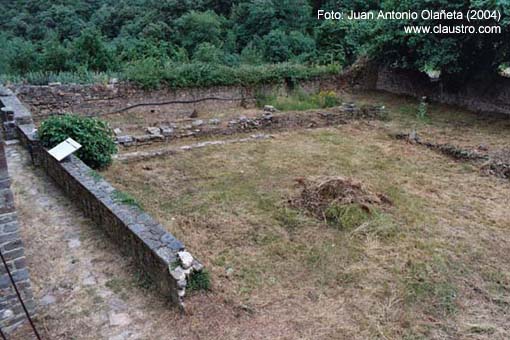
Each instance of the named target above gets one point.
<point>204,42</point>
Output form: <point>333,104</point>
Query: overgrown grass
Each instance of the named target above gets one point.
<point>199,281</point>
<point>431,284</point>
<point>300,101</point>
<point>125,198</point>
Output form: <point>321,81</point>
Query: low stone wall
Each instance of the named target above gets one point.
<point>269,120</point>
<point>156,252</point>
<point>476,94</point>
<point>11,312</point>
<point>99,99</point>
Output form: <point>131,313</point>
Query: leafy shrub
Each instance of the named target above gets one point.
<point>94,135</point>
<point>146,73</point>
<point>208,53</point>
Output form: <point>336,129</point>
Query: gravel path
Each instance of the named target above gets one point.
<point>84,287</point>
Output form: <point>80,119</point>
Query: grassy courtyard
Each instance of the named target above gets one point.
<point>425,266</point>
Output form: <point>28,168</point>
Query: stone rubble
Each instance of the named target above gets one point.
<point>183,269</point>
<point>153,130</point>
<point>265,120</point>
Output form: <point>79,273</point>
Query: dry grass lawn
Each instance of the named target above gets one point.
<point>432,266</point>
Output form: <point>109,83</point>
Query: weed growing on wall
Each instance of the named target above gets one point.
<point>125,198</point>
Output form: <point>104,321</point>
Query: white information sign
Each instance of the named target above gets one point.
<point>64,149</point>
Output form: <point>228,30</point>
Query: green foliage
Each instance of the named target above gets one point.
<point>208,53</point>
<point>347,216</point>
<point>422,109</point>
<point>94,135</point>
<point>288,218</point>
<point>299,100</point>
<point>196,28</point>
<point>91,51</point>
<point>199,281</point>
<point>148,72</point>
<point>125,198</point>
<point>95,175</point>
<point>110,36</point>
<point>151,73</point>
<point>431,282</point>
<point>451,53</point>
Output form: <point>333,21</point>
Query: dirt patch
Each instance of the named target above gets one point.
<point>318,195</point>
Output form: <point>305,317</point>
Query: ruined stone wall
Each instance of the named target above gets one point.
<point>476,94</point>
<point>11,246</point>
<point>98,99</point>
<point>157,253</point>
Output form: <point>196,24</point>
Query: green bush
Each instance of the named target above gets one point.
<point>94,135</point>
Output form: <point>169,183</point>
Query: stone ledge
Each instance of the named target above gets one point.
<point>138,235</point>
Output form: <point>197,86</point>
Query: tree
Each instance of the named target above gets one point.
<point>91,51</point>
<point>277,46</point>
<point>196,28</point>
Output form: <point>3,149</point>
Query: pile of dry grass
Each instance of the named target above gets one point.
<point>319,194</point>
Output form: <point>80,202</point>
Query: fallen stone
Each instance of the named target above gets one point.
<point>143,138</point>
<point>214,121</point>
<point>181,284</point>
<point>269,108</point>
<point>47,300</point>
<point>197,266</point>
<point>119,319</point>
<point>229,271</point>
<point>124,139</point>
<point>178,273</point>
<point>186,259</point>
<point>153,130</point>
<point>89,281</point>
<point>74,243</point>
<point>117,131</point>
<point>167,131</point>
<point>196,123</point>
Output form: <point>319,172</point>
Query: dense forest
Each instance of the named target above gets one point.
<point>202,42</point>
